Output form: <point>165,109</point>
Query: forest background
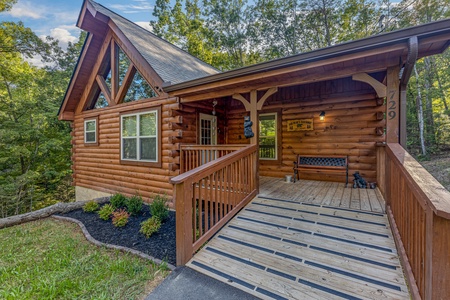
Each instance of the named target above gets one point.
<point>35,148</point>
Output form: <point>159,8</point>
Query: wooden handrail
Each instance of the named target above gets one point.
<point>214,147</point>
<point>418,208</point>
<point>210,195</point>
<point>212,166</point>
<point>426,188</point>
<point>193,156</point>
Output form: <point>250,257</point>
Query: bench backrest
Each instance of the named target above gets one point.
<point>328,161</point>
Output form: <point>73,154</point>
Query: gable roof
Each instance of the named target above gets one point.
<point>171,63</point>
<point>165,63</point>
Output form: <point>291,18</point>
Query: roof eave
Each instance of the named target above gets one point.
<point>369,43</point>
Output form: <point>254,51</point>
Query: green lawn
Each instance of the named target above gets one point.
<point>51,259</point>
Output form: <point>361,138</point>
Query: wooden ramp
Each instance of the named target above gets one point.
<point>285,249</point>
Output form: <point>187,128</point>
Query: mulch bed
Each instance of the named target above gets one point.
<point>160,245</point>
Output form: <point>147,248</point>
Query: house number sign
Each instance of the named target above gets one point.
<point>392,106</point>
<point>300,125</point>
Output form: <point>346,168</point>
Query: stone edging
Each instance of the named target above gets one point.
<point>121,248</point>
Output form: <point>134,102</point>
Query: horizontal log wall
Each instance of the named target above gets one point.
<point>99,167</point>
<point>352,126</point>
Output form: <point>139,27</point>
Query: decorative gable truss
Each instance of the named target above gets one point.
<point>116,80</point>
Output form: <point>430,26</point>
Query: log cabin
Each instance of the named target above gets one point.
<point>148,118</point>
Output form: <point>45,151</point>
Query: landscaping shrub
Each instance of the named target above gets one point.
<point>90,206</point>
<point>120,217</point>
<point>159,208</point>
<point>118,200</point>
<point>134,205</point>
<point>105,212</point>
<point>150,226</point>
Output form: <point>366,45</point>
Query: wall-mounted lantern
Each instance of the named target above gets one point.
<point>322,116</point>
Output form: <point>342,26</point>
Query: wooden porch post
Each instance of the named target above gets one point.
<point>392,105</point>
<point>254,116</point>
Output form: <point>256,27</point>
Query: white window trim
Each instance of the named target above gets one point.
<point>276,134</point>
<point>89,131</point>
<point>138,137</point>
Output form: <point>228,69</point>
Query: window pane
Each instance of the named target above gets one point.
<point>139,89</point>
<point>129,148</point>
<point>90,126</point>
<point>267,147</point>
<point>90,137</point>
<point>129,126</point>
<point>101,101</point>
<point>148,125</point>
<point>267,125</point>
<point>267,137</point>
<point>148,148</point>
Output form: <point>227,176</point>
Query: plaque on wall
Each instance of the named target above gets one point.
<point>300,125</point>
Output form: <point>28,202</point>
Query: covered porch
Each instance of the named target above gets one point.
<point>403,224</point>
<point>307,240</point>
<point>343,101</point>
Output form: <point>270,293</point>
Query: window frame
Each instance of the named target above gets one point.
<point>137,161</point>
<point>95,142</point>
<point>278,137</point>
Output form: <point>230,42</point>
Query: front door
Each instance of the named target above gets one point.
<point>208,129</point>
<point>208,136</point>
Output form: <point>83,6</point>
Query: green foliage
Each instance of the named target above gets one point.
<point>159,208</point>
<point>50,259</point>
<point>150,226</point>
<point>120,217</point>
<point>134,204</point>
<point>90,206</point>
<point>35,165</point>
<point>118,200</point>
<point>105,212</point>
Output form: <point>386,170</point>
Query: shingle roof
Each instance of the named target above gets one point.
<point>171,63</point>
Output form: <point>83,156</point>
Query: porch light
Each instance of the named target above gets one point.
<point>322,116</point>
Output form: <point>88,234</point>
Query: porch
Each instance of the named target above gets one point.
<point>313,238</point>
<point>307,240</point>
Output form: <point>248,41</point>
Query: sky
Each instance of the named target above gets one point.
<point>57,18</point>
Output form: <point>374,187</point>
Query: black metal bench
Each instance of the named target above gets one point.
<point>329,164</point>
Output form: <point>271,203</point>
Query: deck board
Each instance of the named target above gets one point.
<point>324,193</point>
<point>307,244</point>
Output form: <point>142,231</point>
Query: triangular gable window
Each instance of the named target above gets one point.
<point>118,81</point>
<point>101,101</point>
<point>124,64</point>
<point>139,89</point>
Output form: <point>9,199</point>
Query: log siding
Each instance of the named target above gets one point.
<point>100,167</point>
<point>354,117</point>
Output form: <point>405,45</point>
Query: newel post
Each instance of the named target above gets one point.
<point>184,236</point>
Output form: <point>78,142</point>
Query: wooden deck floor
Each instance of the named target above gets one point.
<point>281,247</point>
<point>333,194</point>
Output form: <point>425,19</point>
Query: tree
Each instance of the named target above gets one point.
<point>34,146</point>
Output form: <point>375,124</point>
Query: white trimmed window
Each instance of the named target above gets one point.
<point>90,131</point>
<point>139,139</point>
<point>268,136</point>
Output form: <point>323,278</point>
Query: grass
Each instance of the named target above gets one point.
<point>439,167</point>
<point>51,259</point>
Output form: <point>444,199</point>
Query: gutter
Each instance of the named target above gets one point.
<point>413,49</point>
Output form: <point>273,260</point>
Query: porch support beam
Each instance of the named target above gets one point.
<point>392,105</point>
<point>377,86</point>
<point>254,106</point>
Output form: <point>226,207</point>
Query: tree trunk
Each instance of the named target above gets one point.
<point>438,78</point>
<point>420,114</point>
<point>429,104</point>
<point>45,212</point>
